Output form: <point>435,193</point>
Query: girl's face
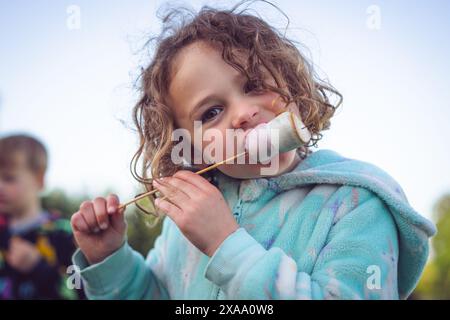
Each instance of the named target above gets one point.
<point>205,88</point>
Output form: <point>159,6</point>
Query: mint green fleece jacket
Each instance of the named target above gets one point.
<point>332,228</point>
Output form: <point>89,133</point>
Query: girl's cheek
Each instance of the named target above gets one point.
<point>217,141</point>
<point>273,102</point>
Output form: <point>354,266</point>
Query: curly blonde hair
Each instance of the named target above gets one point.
<point>232,31</point>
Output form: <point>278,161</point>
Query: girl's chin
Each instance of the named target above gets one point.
<point>258,170</point>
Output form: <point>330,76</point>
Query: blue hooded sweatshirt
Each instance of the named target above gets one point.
<point>332,228</point>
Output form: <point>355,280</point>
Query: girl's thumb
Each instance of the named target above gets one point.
<point>118,219</point>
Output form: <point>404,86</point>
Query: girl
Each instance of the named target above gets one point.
<point>320,227</point>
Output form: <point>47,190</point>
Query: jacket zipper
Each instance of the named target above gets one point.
<point>237,215</point>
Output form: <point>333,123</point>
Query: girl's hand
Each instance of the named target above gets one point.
<point>198,209</point>
<point>99,228</point>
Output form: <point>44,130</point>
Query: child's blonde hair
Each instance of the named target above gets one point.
<point>231,31</point>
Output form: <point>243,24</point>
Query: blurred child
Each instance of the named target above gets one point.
<point>321,227</point>
<point>35,245</point>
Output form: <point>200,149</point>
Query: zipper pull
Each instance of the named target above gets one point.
<point>237,208</point>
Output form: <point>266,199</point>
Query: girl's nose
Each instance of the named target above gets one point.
<point>245,117</point>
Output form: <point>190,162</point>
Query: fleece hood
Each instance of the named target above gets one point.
<point>328,167</point>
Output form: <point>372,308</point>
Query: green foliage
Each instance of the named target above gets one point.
<point>57,200</point>
<point>435,281</point>
<point>142,231</point>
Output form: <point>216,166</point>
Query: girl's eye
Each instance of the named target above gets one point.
<point>211,114</point>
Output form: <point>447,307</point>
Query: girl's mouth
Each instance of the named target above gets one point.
<point>251,129</point>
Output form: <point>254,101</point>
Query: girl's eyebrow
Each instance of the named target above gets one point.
<point>199,104</point>
<point>237,78</point>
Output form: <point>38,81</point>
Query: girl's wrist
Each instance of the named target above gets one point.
<point>98,258</point>
<point>214,246</point>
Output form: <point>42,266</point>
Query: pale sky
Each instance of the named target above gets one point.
<point>72,87</point>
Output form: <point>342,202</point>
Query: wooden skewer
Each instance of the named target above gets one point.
<point>124,205</point>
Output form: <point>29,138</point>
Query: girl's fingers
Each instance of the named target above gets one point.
<point>100,213</point>
<point>117,217</point>
<point>112,203</point>
<point>186,187</point>
<point>195,179</point>
<point>175,195</point>
<point>170,209</point>
<point>118,221</point>
<point>87,211</point>
<point>78,223</point>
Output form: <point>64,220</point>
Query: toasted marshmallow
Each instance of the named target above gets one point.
<point>284,133</point>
